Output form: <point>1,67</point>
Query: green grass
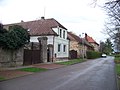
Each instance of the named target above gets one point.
<point>33,69</point>
<point>2,78</point>
<point>117,60</point>
<point>118,69</point>
<point>71,62</point>
<point>118,74</point>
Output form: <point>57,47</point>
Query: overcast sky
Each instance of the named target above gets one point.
<point>78,16</point>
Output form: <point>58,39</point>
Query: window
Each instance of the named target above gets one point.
<point>64,48</point>
<point>60,32</point>
<point>59,47</point>
<point>64,34</point>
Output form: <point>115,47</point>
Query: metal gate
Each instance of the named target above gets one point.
<point>31,57</point>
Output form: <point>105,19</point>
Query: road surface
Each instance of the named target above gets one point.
<point>95,74</point>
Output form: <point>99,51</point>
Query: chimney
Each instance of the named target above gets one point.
<point>85,36</point>
<point>22,21</point>
<point>42,18</point>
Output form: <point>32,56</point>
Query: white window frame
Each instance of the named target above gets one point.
<point>59,47</point>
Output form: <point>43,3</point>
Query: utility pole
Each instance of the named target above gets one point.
<point>83,50</point>
<point>83,45</point>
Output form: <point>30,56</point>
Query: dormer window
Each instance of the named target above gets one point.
<point>64,34</point>
<point>60,32</point>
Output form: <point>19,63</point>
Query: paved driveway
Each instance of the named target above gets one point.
<point>91,75</point>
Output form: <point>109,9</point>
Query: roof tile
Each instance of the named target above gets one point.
<point>40,27</point>
<point>90,39</point>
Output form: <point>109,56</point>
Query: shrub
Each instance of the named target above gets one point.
<point>93,54</point>
<point>117,55</point>
<point>14,38</point>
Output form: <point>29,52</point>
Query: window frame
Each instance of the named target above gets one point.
<point>60,32</point>
<point>64,48</point>
<point>64,34</point>
<point>59,47</point>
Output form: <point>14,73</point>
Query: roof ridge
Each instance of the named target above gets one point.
<point>92,40</point>
<point>40,26</point>
<point>22,21</point>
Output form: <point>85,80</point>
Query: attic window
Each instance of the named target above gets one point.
<point>60,32</point>
<point>64,34</point>
<point>28,30</point>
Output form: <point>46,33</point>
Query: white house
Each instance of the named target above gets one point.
<point>53,30</point>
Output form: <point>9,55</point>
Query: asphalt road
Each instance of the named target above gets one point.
<point>91,75</point>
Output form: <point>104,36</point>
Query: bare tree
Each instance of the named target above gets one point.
<point>112,7</point>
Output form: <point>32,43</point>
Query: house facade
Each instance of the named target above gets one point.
<point>92,42</point>
<point>78,45</point>
<point>59,42</point>
<point>75,47</point>
<point>55,33</point>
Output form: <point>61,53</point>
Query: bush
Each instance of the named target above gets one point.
<point>14,38</point>
<point>93,54</point>
<point>117,55</point>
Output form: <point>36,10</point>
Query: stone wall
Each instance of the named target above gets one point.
<point>43,42</point>
<point>10,58</point>
<point>77,47</point>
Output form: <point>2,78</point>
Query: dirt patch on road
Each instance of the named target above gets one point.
<point>13,74</point>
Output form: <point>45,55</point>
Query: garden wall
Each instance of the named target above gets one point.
<point>10,58</point>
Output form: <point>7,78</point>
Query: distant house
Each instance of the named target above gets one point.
<point>92,42</point>
<point>53,30</point>
<point>78,46</point>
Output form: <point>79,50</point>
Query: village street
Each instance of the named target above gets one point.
<point>95,74</point>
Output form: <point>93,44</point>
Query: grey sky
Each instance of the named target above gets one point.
<point>77,16</point>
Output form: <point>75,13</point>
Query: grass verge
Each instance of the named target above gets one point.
<point>118,74</point>
<point>33,69</point>
<point>117,60</point>
<point>71,62</point>
<point>117,69</point>
<point>2,78</point>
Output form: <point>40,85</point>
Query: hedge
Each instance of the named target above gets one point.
<point>93,54</point>
<point>117,55</point>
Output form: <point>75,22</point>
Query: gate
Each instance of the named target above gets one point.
<point>48,55</point>
<point>31,57</point>
<point>73,54</point>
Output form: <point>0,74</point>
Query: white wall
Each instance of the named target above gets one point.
<point>57,40</point>
<point>34,39</point>
<point>57,30</point>
<point>61,54</point>
<point>62,41</point>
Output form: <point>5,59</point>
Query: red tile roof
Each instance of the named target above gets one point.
<point>90,39</point>
<point>73,37</point>
<point>40,27</point>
